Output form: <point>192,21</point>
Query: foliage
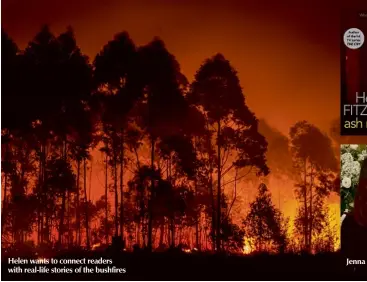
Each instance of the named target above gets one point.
<point>316,168</point>
<point>265,224</point>
<point>351,158</point>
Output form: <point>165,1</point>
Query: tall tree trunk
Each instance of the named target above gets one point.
<point>122,187</point>
<point>45,213</point>
<point>180,235</point>
<point>150,208</point>
<point>86,204</point>
<point>138,233</point>
<point>70,242</point>
<point>116,194</point>
<point>172,217</point>
<point>172,231</point>
<point>219,193</point>
<point>90,179</point>
<point>106,196</point>
<point>77,206</point>
<point>62,215</point>
<point>197,218</point>
<point>311,209</point>
<point>305,227</point>
<point>211,191</point>
<point>161,235</point>
<point>63,202</point>
<point>40,197</point>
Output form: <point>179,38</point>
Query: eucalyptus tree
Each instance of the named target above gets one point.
<point>115,79</point>
<point>316,165</point>
<point>217,92</point>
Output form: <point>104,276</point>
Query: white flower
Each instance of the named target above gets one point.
<point>346,158</point>
<point>356,168</point>
<point>351,170</point>
<point>354,146</point>
<point>362,155</point>
<point>346,182</point>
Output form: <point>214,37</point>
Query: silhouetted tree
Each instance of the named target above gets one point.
<point>60,178</point>
<point>264,223</point>
<point>9,65</point>
<point>53,72</point>
<point>163,108</point>
<point>75,73</point>
<point>141,185</point>
<point>10,86</point>
<point>217,90</point>
<point>115,75</point>
<point>99,232</point>
<point>19,166</point>
<point>232,235</point>
<point>327,238</point>
<point>315,163</point>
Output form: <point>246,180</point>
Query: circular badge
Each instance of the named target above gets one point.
<point>353,38</point>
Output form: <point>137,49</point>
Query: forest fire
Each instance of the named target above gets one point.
<point>247,247</point>
<point>128,152</point>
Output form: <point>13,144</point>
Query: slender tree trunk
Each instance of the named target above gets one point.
<point>172,232</point>
<point>40,197</point>
<point>122,187</point>
<point>161,235</point>
<point>116,194</point>
<point>197,215</point>
<point>63,202</point>
<point>219,193</point>
<point>172,217</point>
<point>62,215</point>
<point>180,235</point>
<point>70,231</point>
<point>70,242</point>
<point>305,227</point>
<point>45,213</point>
<point>234,194</point>
<point>150,210</point>
<point>213,231</point>
<point>106,196</point>
<point>86,205</point>
<point>48,224</point>
<point>77,204</point>
<point>310,210</point>
<point>138,233</point>
<point>90,178</point>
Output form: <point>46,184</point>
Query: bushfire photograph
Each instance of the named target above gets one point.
<point>177,140</point>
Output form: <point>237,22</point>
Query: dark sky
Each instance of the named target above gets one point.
<point>286,52</point>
